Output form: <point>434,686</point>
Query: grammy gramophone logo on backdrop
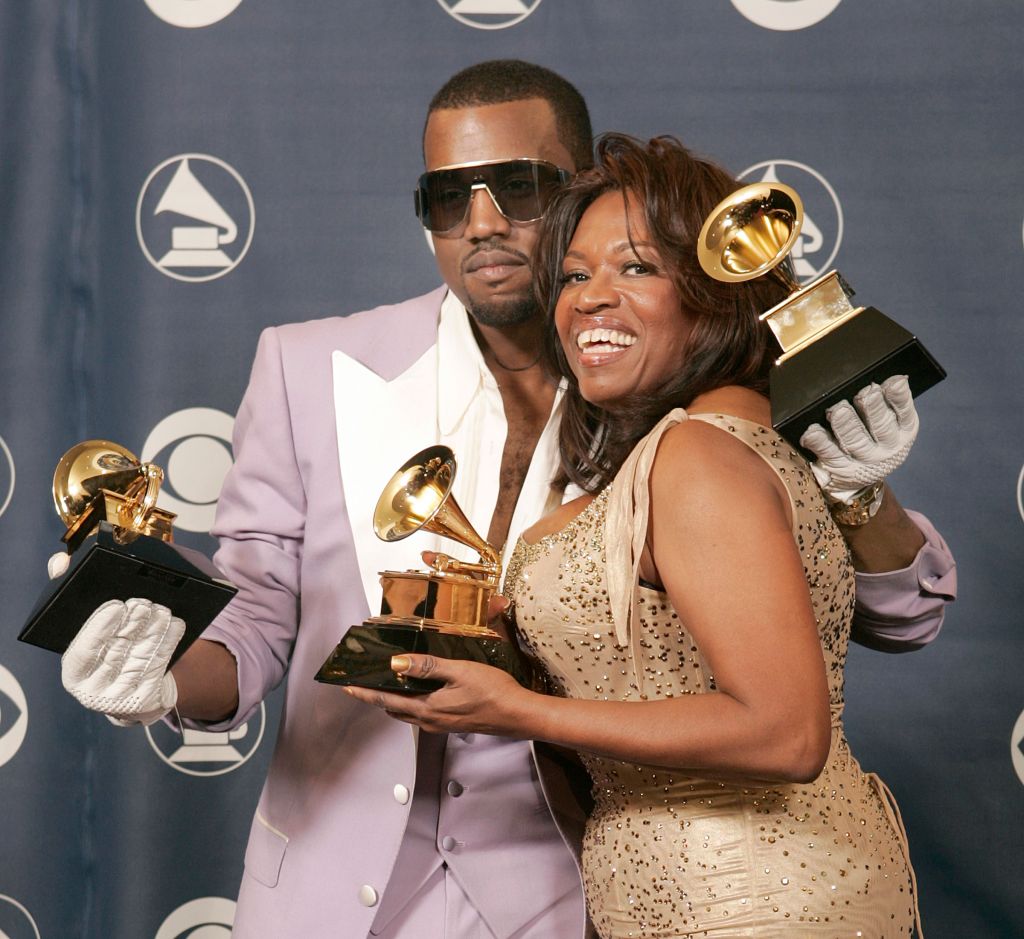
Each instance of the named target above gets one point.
<point>6,476</point>
<point>15,921</point>
<point>195,217</point>
<point>785,14</point>
<point>189,14</point>
<point>204,918</point>
<point>1020,493</point>
<point>822,232</point>
<point>1017,747</point>
<point>489,14</point>
<point>208,753</point>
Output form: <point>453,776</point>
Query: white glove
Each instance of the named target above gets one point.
<point>866,444</point>
<point>58,564</point>
<point>117,664</point>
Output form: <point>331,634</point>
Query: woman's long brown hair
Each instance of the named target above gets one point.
<point>728,345</point>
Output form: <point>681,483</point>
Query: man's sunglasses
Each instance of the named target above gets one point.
<point>521,189</point>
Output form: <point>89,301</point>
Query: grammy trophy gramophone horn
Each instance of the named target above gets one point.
<point>98,480</point>
<point>829,348</point>
<point>443,611</point>
<point>418,497</point>
<point>751,233</point>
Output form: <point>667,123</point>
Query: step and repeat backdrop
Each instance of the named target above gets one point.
<point>176,175</point>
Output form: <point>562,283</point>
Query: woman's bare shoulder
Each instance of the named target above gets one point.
<point>712,462</point>
<point>735,401</point>
<point>711,484</point>
<point>699,447</point>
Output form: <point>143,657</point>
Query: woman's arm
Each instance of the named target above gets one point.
<point>720,541</point>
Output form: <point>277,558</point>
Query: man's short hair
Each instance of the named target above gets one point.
<point>500,81</point>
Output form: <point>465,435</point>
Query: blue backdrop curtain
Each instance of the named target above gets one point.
<point>176,175</point>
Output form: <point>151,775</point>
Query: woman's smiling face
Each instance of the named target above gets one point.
<point>618,314</point>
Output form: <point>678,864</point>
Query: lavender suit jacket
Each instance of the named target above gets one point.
<point>331,816</point>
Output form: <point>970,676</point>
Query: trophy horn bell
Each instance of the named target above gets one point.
<point>750,233</point>
<point>419,497</point>
<point>87,468</point>
<point>99,480</point>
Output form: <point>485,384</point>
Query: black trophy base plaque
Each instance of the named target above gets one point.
<point>867,348</point>
<point>363,657</point>
<point>179,578</point>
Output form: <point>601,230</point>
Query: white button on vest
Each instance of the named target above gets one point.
<point>448,843</point>
<point>367,895</point>
<point>455,788</point>
<point>401,794</point>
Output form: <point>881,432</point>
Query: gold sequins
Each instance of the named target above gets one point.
<point>667,854</point>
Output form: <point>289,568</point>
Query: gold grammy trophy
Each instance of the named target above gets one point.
<point>443,611</point>
<point>121,546</point>
<point>830,349</point>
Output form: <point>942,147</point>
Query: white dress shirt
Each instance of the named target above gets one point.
<point>471,420</point>
<point>462,776</point>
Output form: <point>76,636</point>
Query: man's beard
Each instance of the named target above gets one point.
<point>511,312</point>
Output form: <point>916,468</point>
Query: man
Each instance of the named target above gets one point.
<point>365,827</point>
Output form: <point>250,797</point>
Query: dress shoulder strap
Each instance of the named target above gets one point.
<point>625,526</point>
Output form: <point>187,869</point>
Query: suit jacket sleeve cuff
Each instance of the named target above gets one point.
<point>899,611</point>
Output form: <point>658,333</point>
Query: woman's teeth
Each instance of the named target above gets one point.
<point>610,338</point>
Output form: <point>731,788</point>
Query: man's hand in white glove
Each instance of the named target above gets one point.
<point>866,444</point>
<point>58,564</point>
<point>117,664</point>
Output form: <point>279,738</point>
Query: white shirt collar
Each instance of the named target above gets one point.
<point>471,419</point>
<point>462,372</point>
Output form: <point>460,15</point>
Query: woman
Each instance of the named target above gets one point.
<point>692,610</point>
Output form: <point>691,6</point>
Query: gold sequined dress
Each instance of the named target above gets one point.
<point>670,855</point>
